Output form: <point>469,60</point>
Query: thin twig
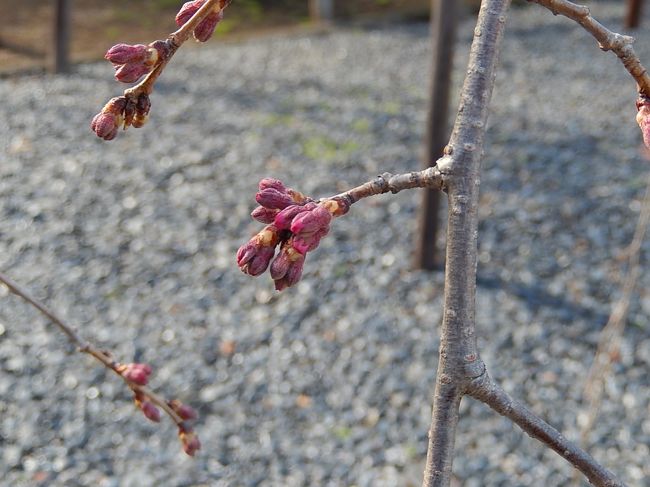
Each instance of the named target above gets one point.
<point>489,392</point>
<point>610,336</point>
<point>431,177</point>
<point>86,347</point>
<point>175,40</point>
<point>620,44</point>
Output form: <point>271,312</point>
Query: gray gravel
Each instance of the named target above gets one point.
<point>331,381</point>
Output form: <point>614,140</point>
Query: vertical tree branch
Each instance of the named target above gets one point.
<point>459,360</point>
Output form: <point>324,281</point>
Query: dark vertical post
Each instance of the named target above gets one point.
<point>633,13</point>
<point>443,32</point>
<point>321,10</point>
<point>60,53</point>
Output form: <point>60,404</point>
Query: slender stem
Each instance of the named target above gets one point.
<point>175,40</point>
<point>430,177</point>
<point>610,336</point>
<point>621,45</point>
<point>489,392</point>
<point>88,348</point>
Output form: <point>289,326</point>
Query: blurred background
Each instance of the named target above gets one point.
<point>328,383</point>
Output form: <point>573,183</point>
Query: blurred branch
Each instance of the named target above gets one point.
<point>141,391</point>
<point>621,45</point>
<point>610,337</point>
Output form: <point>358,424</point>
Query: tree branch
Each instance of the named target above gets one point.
<point>489,392</point>
<point>621,45</point>
<point>430,177</point>
<point>610,336</point>
<point>459,360</point>
<point>175,40</point>
<point>105,358</point>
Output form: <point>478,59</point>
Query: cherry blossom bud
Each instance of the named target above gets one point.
<point>130,73</point>
<point>281,264</point>
<point>190,440</point>
<point>306,242</point>
<point>311,221</point>
<point>106,123</point>
<point>185,411</point>
<point>264,215</point>
<point>206,27</point>
<point>292,275</point>
<point>150,411</point>
<point>273,199</point>
<point>643,118</point>
<point>284,218</point>
<point>127,54</point>
<point>272,183</point>
<point>254,256</point>
<point>136,373</point>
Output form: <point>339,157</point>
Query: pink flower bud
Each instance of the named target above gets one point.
<point>187,11</point>
<point>254,256</point>
<point>130,73</point>
<point>292,275</point>
<point>190,441</point>
<point>206,28</point>
<point>643,118</point>
<point>183,410</point>
<point>283,262</point>
<point>127,54</point>
<point>105,125</point>
<point>272,183</point>
<point>136,373</point>
<point>285,217</point>
<point>306,242</point>
<point>264,215</point>
<point>150,411</point>
<point>311,221</point>
<point>273,199</point>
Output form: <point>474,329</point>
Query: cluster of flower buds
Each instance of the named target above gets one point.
<point>138,375</point>
<point>121,112</point>
<point>643,118</point>
<point>295,223</point>
<point>132,62</point>
<point>206,27</point>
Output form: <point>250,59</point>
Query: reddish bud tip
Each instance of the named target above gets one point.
<point>136,373</point>
<point>150,411</point>
<point>285,217</point>
<point>273,199</point>
<point>130,73</point>
<point>206,28</point>
<point>183,410</point>
<point>311,221</point>
<point>264,215</point>
<point>190,440</point>
<point>105,125</point>
<point>126,54</point>
<point>272,183</point>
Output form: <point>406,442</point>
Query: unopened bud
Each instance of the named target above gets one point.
<point>272,183</point>
<point>130,73</point>
<point>292,276</point>
<point>183,410</point>
<point>150,411</point>
<point>306,242</point>
<point>264,215</point>
<point>127,54</point>
<point>273,199</point>
<point>136,373</point>
<point>190,441</point>
<point>285,217</point>
<point>206,28</point>
<point>311,221</point>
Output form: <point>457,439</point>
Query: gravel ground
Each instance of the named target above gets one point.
<point>329,383</point>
